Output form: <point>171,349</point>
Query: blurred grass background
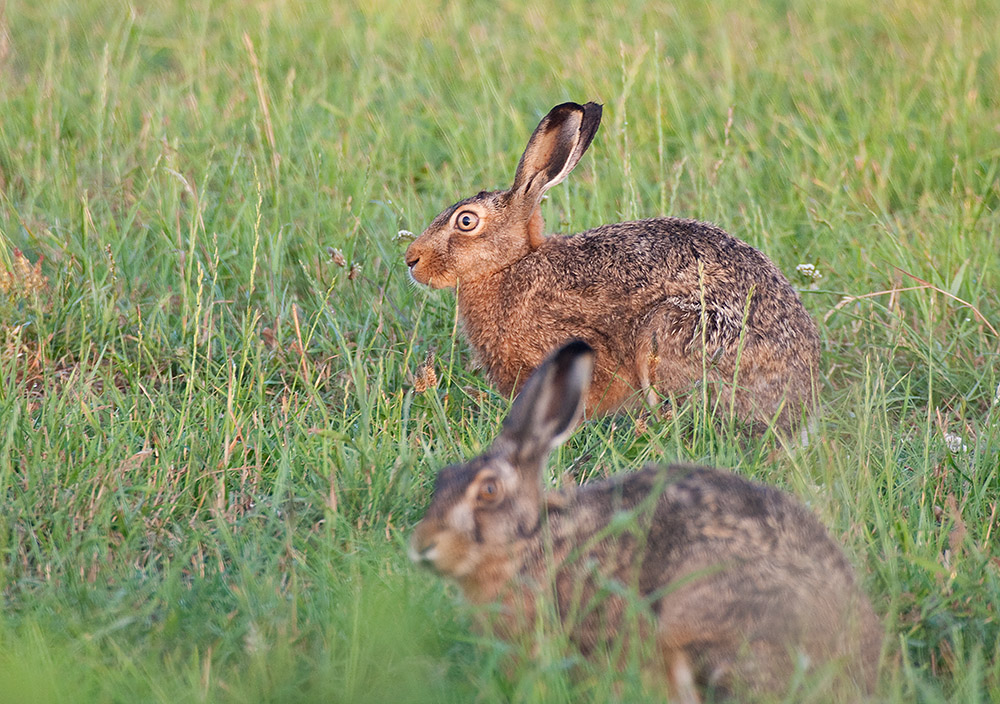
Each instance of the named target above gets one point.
<point>212,442</point>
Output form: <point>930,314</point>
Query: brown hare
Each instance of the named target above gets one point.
<point>741,583</point>
<point>665,302</point>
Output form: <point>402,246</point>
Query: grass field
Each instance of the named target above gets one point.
<point>212,442</point>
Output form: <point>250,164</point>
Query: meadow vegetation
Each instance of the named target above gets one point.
<point>222,403</point>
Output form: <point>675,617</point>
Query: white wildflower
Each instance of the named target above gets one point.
<point>954,443</point>
<point>809,271</point>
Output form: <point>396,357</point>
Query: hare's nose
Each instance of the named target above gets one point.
<point>411,261</point>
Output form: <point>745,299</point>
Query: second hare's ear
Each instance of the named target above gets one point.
<point>546,411</point>
<point>554,149</point>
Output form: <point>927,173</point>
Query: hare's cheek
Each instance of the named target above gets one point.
<point>462,518</point>
<point>455,556</point>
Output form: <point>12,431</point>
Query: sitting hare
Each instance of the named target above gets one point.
<point>739,582</point>
<point>665,302</point>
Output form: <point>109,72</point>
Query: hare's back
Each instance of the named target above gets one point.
<point>645,254</point>
<point>724,517</point>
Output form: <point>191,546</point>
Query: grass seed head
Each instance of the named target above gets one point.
<point>24,279</point>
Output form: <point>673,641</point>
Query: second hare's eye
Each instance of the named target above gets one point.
<point>489,491</point>
<point>467,221</point>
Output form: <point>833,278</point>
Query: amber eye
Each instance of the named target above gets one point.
<point>467,221</point>
<point>489,491</point>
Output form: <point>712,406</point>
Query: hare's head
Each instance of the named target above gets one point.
<point>482,509</point>
<point>489,231</point>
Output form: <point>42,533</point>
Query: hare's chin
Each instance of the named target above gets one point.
<point>412,281</point>
<point>427,281</point>
<point>422,558</point>
<point>432,560</point>
<point>431,280</point>
<point>438,282</point>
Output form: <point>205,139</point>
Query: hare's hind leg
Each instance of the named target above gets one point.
<point>679,675</point>
<point>664,367</point>
<point>645,359</point>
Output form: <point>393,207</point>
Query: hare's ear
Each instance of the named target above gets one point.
<point>545,412</point>
<point>554,149</point>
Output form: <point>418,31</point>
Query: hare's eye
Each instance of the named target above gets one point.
<point>467,221</point>
<point>489,491</point>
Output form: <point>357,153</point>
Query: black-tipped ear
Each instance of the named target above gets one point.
<point>555,147</point>
<point>547,409</point>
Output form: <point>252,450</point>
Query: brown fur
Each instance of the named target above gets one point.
<point>741,581</point>
<point>665,302</point>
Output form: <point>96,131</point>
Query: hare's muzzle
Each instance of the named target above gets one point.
<point>422,551</point>
<point>417,274</point>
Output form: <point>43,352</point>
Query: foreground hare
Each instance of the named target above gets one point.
<point>665,302</point>
<point>742,583</point>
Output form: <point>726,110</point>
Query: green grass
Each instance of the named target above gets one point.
<point>211,450</point>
